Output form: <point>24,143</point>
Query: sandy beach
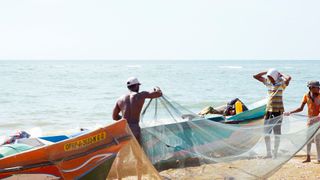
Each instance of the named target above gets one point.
<point>293,169</point>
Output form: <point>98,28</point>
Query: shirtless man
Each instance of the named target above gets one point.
<point>130,105</point>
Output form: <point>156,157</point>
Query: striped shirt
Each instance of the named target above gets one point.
<point>275,91</point>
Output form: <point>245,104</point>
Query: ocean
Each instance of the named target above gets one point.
<point>52,97</point>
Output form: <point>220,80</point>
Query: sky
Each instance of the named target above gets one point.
<point>159,29</point>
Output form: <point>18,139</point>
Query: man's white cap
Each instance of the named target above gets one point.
<point>132,81</point>
<point>273,73</point>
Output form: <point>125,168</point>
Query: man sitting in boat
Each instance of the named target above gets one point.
<point>19,135</point>
<point>235,106</point>
<point>130,105</point>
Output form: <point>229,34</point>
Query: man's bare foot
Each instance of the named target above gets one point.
<point>307,160</point>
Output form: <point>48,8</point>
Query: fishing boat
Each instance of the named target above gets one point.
<point>88,155</point>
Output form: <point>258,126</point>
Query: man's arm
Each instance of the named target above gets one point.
<point>287,78</point>
<point>260,77</point>
<point>299,109</point>
<point>116,111</point>
<point>155,94</point>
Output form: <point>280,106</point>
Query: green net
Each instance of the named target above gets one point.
<point>176,138</point>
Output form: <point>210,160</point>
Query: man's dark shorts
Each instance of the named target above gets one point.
<point>272,122</point>
<point>136,130</point>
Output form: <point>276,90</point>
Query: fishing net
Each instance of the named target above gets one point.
<point>132,163</point>
<point>183,145</point>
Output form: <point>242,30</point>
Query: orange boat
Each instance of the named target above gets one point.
<point>87,156</point>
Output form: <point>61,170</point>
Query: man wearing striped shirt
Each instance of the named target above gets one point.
<point>276,84</point>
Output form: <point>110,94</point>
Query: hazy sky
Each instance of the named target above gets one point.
<point>159,29</point>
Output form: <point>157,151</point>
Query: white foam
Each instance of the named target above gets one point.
<point>134,66</point>
<point>230,67</point>
<point>35,132</point>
